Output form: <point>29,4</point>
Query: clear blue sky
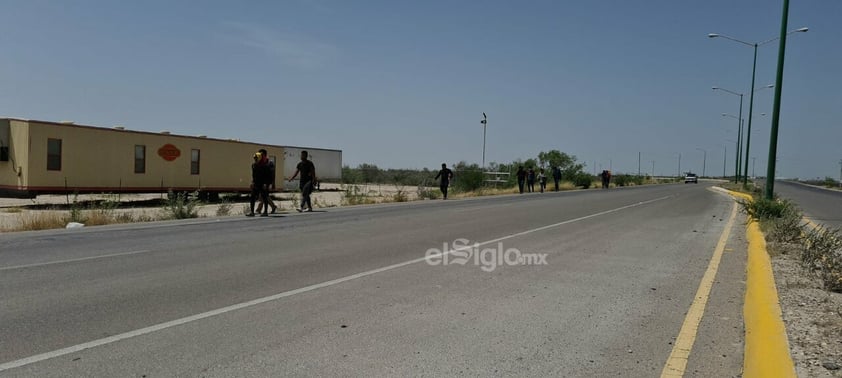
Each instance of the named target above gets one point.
<point>404,83</point>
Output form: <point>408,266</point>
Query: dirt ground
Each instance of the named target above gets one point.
<point>813,316</point>
<point>13,210</point>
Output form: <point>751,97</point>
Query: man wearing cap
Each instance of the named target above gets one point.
<point>260,180</point>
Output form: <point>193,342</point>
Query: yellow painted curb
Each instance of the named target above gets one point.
<point>766,344</point>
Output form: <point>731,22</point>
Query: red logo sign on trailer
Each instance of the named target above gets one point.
<point>169,152</point>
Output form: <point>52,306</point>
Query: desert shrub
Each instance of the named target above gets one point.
<point>583,180</point>
<point>627,180</point>
<point>762,208</point>
<point>786,229</point>
<point>467,178</point>
<point>426,192</point>
<point>822,253</point>
<point>180,206</point>
<point>224,209</point>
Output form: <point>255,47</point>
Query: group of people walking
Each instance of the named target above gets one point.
<point>529,177</point>
<point>263,180</point>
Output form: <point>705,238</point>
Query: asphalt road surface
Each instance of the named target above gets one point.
<point>610,275</point>
<point>822,206</point>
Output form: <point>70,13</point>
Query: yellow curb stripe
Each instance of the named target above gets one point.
<point>767,347</point>
<point>677,361</point>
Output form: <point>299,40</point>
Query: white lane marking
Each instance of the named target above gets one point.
<point>239,306</point>
<point>71,260</point>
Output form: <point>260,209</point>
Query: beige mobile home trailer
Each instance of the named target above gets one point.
<point>41,157</point>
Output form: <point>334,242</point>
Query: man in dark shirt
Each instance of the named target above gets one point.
<point>260,180</point>
<point>556,176</point>
<point>271,186</point>
<point>307,170</point>
<point>521,178</point>
<point>445,174</point>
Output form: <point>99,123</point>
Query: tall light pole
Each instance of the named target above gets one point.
<point>739,130</point>
<point>679,164</point>
<point>704,160</point>
<point>754,71</point>
<point>739,145</point>
<point>776,108</point>
<point>638,164</point>
<point>484,123</point>
<point>725,156</point>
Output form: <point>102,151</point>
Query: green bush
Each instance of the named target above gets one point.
<point>180,206</point>
<point>627,180</point>
<point>762,208</point>
<point>787,228</point>
<point>467,178</point>
<point>583,179</point>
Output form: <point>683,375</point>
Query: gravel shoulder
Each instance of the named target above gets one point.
<point>813,316</point>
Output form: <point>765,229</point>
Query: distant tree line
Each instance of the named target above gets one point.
<point>468,177</point>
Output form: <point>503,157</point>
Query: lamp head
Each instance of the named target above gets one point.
<point>713,35</point>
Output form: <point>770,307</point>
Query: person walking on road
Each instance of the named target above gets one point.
<point>542,180</point>
<point>521,178</point>
<point>606,178</point>
<point>307,170</point>
<point>446,175</point>
<point>556,177</point>
<point>271,204</point>
<point>260,175</point>
<point>530,180</point>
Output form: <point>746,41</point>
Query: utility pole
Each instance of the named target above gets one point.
<point>679,164</point>
<point>638,163</point>
<point>653,169</point>
<point>753,161</point>
<point>484,123</point>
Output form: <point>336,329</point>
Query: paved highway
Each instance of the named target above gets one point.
<point>347,292</point>
<point>820,205</point>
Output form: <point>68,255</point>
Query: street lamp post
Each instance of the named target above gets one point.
<point>738,146</point>
<point>739,130</point>
<point>484,123</point>
<point>704,160</point>
<point>724,158</point>
<point>679,165</point>
<point>782,37</point>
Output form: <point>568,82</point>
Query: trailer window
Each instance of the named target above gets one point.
<point>53,154</point>
<point>194,162</point>
<point>139,159</point>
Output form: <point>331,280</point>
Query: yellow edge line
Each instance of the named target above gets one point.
<point>677,361</point>
<point>766,345</point>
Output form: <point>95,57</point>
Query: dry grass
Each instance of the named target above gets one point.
<point>34,221</point>
<point>48,219</point>
<point>12,210</point>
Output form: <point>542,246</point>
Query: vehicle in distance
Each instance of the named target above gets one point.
<point>691,177</point>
